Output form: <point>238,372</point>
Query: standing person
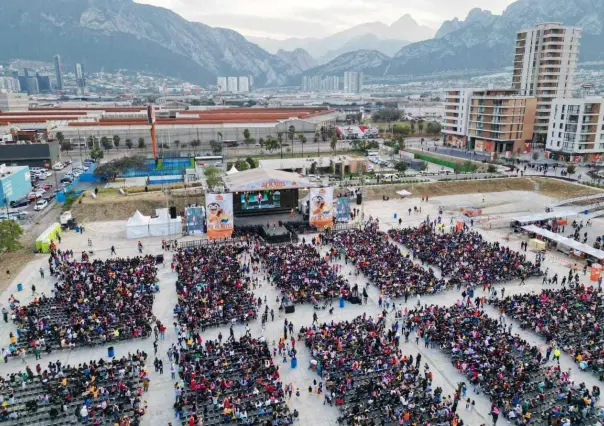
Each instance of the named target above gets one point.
<point>113,250</point>
<point>495,414</point>
<point>33,289</point>
<point>89,242</point>
<point>41,272</point>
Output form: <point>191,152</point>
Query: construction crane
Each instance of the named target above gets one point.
<point>151,119</point>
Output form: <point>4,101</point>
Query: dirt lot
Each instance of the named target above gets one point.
<point>550,187</point>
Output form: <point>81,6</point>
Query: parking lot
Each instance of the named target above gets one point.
<point>47,186</point>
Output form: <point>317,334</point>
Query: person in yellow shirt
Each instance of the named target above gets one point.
<point>557,355</point>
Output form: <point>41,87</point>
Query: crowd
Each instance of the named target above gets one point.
<point>370,380</point>
<point>94,393</point>
<point>514,374</point>
<point>382,262</point>
<point>212,286</point>
<point>92,303</point>
<point>571,319</point>
<point>301,273</point>
<point>465,256</point>
<point>232,382</point>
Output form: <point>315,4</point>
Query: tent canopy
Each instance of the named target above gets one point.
<point>232,170</point>
<point>403,193</point>
<point>138,219</point>
<point>137,226</point>
<point>162,224</point>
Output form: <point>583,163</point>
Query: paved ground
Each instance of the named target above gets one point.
<point>312,412</point>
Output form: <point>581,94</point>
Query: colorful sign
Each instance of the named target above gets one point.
<point>343,209</point>
<point>194,217</point>
<point>219,208</point>
<point>321,207</point>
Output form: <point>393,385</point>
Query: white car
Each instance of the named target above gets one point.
<point>58,166</point>
<point>41,205</point>
<point>48,173</point>
<point>77,173</point>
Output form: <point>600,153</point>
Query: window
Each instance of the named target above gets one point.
<point>561,125</point>
<point>559,134</point>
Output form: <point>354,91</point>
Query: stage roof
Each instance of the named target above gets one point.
<point>575,245</point>
<point>258,179</point>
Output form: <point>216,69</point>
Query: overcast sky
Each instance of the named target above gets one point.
<point>317,18</point>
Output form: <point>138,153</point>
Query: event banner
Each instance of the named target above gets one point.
<point>194,216</point>
<point>343,209</point>
<point>219,208</point>
<point>321,207</point>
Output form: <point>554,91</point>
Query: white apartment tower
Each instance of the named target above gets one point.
<point>232,84</point>
<point>244,84</point>
<point>221,84</point>
<point>353,81</point>
<point>544,65</point>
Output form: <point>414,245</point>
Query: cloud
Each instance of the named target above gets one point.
<point>318,18</point>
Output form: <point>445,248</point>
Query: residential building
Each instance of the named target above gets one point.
<point>232,84</point>
<point>81,87</point>
<point>32,85</point>
<point>244,84</point>
<point>9,85</point>
<point>58,72</point>
<point>457,113</point>
<point>221,84</point>
<point>353,82</point>
<point>576,129</point>
<point>544,66</point>
<point>43,83</point>
<point>14,102</point>
<point>500,121</point>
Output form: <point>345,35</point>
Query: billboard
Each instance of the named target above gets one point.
<point>194,220</point>
<point>321,207</point>
<point>219,210</point>
<point>343,209</point>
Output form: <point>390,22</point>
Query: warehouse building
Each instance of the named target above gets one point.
<point>15,183</point>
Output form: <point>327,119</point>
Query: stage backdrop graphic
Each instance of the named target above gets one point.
<point>194,216</point>
<point>321,207</point>
<point>219,208</point>
<point>343,209</point>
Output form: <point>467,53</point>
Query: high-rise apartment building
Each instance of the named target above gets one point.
<point>457,111</point>
<point>221,84</point>
<point>576,129</point>
<point>58,72</point>
<point>244,84</point>
<point>353,82</point>
<point>544,65</point>
<point>232,84</point>
<point>81,88</point>
<point>9,85</point>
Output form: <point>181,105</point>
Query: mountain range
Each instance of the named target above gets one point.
<point>384,38</point>
<point>117,34</point>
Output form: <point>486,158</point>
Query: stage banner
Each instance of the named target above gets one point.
<point>219,208</point>
<point>321,207</point>
<point>194,216</point>
<point>343,209</point>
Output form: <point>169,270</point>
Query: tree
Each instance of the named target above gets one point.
<point>10,232</point>
<point>317,136</point>
<point>252,162</point>
<point>60,137</point>
<point>246,137</point>
<point>90,142</point>
<point>96,153</point>
<point>119,166</point>
<point>323,134</point>
<point>106,143</point>
<point>242,165</point>
<point>215,146</point>
<point>271,144</point>
<point>333,143</point>
<point>491,168</point>
<point>570,169</point>
<point>313,168</point>
<point>116,141</point>
<point>302,140</point>
<point>387,114</point>
<point>66,146</point>
<point>420,126</point>
<point>535,156</point>
<point>195,143</point>
<point>280,140</point>
<point>401,166</point>
<point>433,128</point>
<point>219,134</point>
<point>129,143</point>
<point>176,143</point>
<point>212,174</point>
<point>401,129</point>
<point>141,143</point>
<point>412,127</point>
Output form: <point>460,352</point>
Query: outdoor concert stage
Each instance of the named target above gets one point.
<point>258,192</point>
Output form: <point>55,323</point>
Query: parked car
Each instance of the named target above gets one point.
<point>67,162</point>
<point>58,166</point>
<point>34,195</point>
<point>18,215</point>
<point>46,186</point>
<point>66,180</point>
<point>19,203</point>
<point>50,197</point>
<point>41,205</point>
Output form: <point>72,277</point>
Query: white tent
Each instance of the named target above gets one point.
<point>137,226</point>
<point>232,170</point>
<point>164,225</point>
